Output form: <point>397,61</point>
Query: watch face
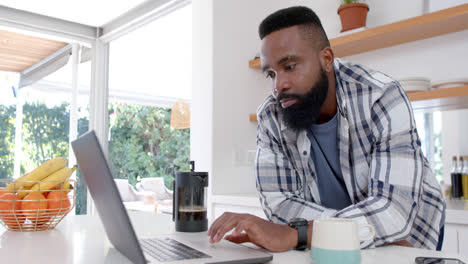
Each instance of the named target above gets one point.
<point>298,221</point>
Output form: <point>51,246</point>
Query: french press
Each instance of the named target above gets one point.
<point>190,200</point>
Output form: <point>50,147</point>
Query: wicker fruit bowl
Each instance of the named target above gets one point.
<point>35,210</point>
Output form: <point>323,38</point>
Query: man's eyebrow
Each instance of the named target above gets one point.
<point>280,61</point>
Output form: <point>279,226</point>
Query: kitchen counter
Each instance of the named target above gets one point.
<point>82,240</point>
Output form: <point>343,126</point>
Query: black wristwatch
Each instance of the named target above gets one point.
<point>301,225</point>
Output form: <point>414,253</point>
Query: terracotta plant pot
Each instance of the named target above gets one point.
<point>353,15</point>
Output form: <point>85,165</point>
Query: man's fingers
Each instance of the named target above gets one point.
<point>229,224</point>
<point>215,225</point>
<point>241,226</point>
<point>237,236</point>
<point>222,225</point>
<point>242,238</point>
<point>211,227</point>
<point>249,228</point>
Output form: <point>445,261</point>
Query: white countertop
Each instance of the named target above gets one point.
<point>82,240</point>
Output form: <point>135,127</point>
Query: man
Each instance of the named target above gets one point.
<point>335,139</point>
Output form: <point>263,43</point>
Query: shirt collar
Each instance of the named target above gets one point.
<point>340,96</point>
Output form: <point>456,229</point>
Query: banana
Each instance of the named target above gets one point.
<point>17,184</point>
<point>66,187</point>
<point>44,170</point>
<point>54,179</point>
<point>51,181</point>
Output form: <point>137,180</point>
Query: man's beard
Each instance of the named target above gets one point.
<point>306,111</point>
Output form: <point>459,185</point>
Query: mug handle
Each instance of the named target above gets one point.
<point>370,235</point>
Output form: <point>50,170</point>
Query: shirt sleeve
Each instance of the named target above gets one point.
<point>396,171</point>
<point>278,183</point>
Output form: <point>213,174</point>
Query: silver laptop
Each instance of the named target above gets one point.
<point>177,248</point>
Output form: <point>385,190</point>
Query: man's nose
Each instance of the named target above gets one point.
<point>282,85</point>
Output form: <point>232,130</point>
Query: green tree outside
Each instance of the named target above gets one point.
<point>45,133</point>
<point>7,140</point>
<point>142,143</point>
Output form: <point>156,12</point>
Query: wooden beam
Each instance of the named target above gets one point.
<point>19,52</point>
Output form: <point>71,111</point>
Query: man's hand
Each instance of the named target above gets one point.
<point>249,228</point>
<point>402,243</point>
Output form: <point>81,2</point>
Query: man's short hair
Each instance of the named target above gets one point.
<point>300,16</point>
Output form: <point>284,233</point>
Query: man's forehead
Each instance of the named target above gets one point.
<point>281,36</point>
<point>280,44</point>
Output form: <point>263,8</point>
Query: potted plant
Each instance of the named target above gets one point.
<point>353,14</point>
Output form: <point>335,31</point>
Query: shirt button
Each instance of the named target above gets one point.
<point>304,153</point>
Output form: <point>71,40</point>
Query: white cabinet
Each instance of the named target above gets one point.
<point>450,239</point>
<point>463,240</point>
<point>456,227</point>
<point>456,239</point>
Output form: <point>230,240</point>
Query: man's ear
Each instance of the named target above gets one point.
<point>326,58</point>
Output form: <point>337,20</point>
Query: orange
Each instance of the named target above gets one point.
<point>34,207</point>
<point>58,203</point>
<point>10,210</point>
<point>4,190</point>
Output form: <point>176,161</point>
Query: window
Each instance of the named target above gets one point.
<point>8,81</point>
<point>429,130</point>
<point>40,113</point>
<point>149,71</point>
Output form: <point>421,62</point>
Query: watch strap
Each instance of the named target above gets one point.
<point>301,225</point>
<point>301,237</point>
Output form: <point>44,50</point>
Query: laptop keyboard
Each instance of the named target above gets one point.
<point>167,249</point>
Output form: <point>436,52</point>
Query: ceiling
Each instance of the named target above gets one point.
<point>87,12</point>
<point>153,42</point>
<point>18,52</point>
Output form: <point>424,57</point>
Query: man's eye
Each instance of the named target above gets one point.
<point>270,75</point>
<point>290,66</point>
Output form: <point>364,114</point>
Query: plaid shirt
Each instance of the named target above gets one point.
<point>388,179</point>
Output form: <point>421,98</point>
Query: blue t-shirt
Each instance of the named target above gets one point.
<point>325,155</point>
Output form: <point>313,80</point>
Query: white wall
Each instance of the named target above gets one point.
<point>237,90</point>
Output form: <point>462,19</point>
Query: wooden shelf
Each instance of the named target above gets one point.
<point>253,117</point>
<point>440,99</point>
<point>417,28</point>
<point>255,64</point>
<point>433,100</point>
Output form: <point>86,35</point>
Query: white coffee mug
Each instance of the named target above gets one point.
<point>337,240</point>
